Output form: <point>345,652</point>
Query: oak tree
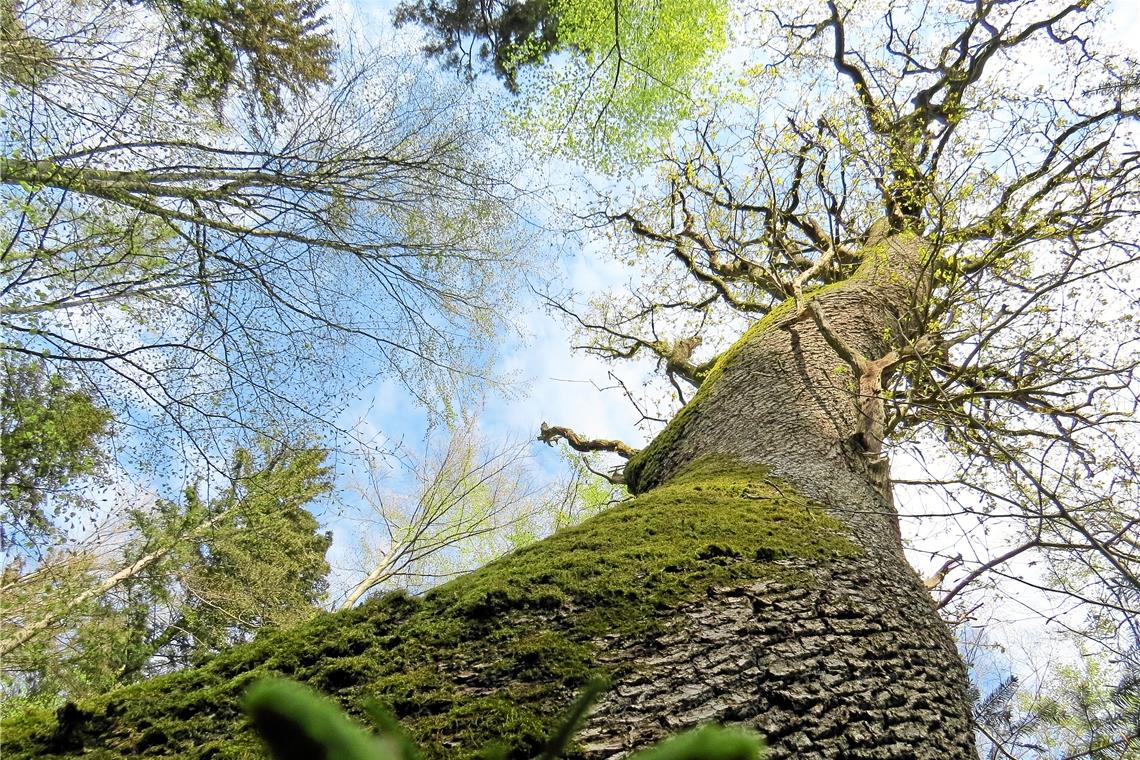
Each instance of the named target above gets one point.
<point>896,218</point>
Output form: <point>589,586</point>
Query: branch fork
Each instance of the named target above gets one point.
<point>869,374</point>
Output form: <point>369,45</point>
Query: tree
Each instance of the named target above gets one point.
<point>260,564</point>
<point>185,580</point>
<point>1075,712</point>
<point>896,227</point>
<point>1020,394</point>
<point>626,79</point>
<point>50,439</point>
<point>186,267</point>
<point>464,493</point>
<point>27,59</point>
<point>509,34</point>
<point>257,49</point>
<point>214,277</point>
<point>469,503</point>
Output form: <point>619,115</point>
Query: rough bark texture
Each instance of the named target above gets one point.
<point>782,397</point>
<point>757,579</point>
<point>844,666</point>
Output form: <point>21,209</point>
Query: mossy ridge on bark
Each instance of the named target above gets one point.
<point>490,658</point>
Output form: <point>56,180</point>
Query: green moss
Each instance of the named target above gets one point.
<point>492,657</point>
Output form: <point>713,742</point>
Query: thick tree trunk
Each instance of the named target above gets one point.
<point>757,579</point>
<point>850,660</point>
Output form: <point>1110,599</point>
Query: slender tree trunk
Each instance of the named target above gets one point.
<point>380,573</point>
<point>36,627</point>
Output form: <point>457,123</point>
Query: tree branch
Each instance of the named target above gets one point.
<point>548,434</point>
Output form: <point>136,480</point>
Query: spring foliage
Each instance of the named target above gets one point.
<point>599,79</point>
<point>627,79</point>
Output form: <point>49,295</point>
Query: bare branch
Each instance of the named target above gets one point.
<point>549,434</point>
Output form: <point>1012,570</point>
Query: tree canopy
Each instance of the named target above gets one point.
<point>219,227</point>
<point>188,266</point>
<point>50,437</point>
<point>256,50</point>
<point>600,80</point>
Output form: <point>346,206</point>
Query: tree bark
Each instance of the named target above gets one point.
<point>758,579</point>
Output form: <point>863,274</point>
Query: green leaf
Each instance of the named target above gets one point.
<point>297,724</point>
<point>708,743</point>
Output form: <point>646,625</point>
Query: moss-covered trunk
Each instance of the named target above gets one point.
<point>757,578</point>
<point>844,657</point>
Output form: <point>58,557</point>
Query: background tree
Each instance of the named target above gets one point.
<point>27,59</point>
<point>51,436</point>
<point>627,72</point>
<point>188,268</point>
<point>469,504</point>
<point>185,580</point>
<point>256,50</point>
<point>1088,710</point>
<point>260,48</point>
<point>501,35</point>
<point>463,491</point>
<point>260,565</point>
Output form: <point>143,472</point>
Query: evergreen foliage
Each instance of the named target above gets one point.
<point>193,577</point>
<point>51,432</point>
<point>27,60</point>
<point>1086,710</point>
<point>502,34</point>
<point>262,565</point>
<point>261,48</point>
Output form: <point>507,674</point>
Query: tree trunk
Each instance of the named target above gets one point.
<point>850,659</point>
<point>757,579</point>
